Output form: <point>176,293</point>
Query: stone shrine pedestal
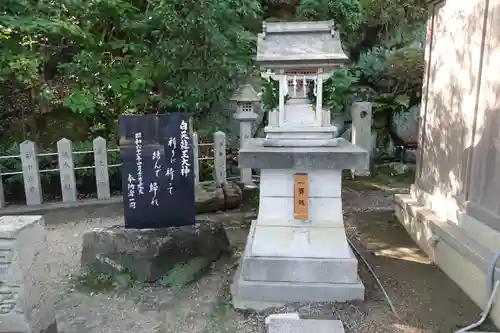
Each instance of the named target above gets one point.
<point>289,260</point>
<point>297,248</point>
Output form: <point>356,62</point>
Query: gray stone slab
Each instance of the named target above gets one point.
<point>300,270</point>
<point>301,143</point>
<point>305,326</point>
<point>344,156</point>
<point>288,292</point>
<point>285,269</point>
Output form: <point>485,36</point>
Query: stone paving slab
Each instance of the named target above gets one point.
<point>283,325</point>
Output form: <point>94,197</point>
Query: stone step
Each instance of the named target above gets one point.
<point>287,292</point>
<point>313,143</point>
<point>275,269</point>
<point>300,132</point>
<point>299,100</point>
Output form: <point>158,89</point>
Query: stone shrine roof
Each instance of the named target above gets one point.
<point>245,93</point>
<point>299,44</point>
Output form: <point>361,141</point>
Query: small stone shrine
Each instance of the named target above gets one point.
<point>297,248</point>
<point>160,227</point>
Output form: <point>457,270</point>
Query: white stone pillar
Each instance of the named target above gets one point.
<point>220,158</point>
<point>273,118</point>
<point>361,115</point>
<point>319,98</point>
<point>283,88</point>
<point>101,168</point>
<point>66,170</point>
<point>245,118</point>
<point>31,174</point>
<point>26,303</point>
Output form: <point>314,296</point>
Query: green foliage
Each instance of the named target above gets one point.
<point>365,24</point>
<point>385,105</point>
<point>397,22</point>
<point>88,280</point>
<point>339,89</point>
<point>184,273</point>
<point>371,65</point>
<point>403,73</point>
<point>126,56</point>
<point>347,14</point>
<point>359,83</point>
<point>270,94</point>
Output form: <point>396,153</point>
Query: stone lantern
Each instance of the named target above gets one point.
<point>245,97</point>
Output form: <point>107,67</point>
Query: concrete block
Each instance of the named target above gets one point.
<point>322,183</point>
<point>305,326</point>
<point>26,305</point>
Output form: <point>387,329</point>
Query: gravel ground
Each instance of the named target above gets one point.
<point>426,300</point>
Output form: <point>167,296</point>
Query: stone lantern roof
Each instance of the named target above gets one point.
<point>299,45</point>
<point>245,93</point>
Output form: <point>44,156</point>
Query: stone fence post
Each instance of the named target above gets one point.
<point>31,174</point>
<point>220,158</point>
<point>196,158</point>
<point>361,115</point>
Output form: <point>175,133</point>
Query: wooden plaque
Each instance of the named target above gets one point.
<point>301,197</point>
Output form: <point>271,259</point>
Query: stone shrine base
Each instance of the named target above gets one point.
<point>149,254</point>
<point>263,282</point>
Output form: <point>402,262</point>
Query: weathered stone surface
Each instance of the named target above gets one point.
<point>232,195</point>
<point>149,254</point>
<point>406,124</point>
<point>26,305</point>
<point>285,325</point>
<point>211,198</point>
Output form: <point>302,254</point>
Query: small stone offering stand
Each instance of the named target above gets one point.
<point>297,248</point>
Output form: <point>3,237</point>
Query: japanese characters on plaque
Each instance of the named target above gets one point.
<point>158,185</point>
<point>185,166</point>
<point>301,197</point>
